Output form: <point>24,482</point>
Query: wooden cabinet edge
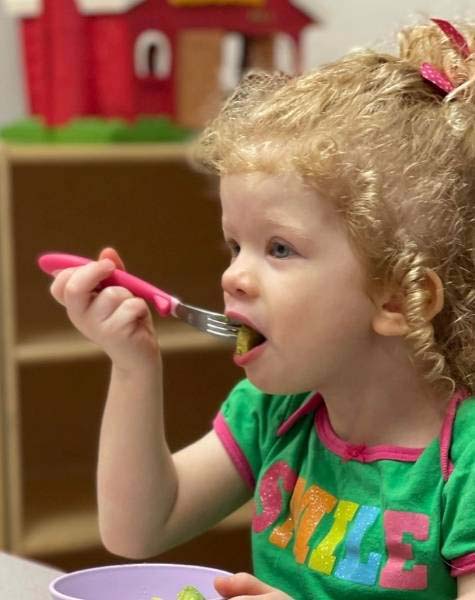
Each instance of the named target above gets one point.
<point>81,153</point>
<point>67,346</point>
<point>10,496</point>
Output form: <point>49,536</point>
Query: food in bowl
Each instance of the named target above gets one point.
<point>190,593</point>
<point>187,593</point>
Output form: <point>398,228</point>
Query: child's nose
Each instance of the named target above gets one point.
<point>239,280</point>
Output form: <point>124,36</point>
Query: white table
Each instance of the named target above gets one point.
<point>22,579</point>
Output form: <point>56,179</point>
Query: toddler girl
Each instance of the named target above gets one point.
<point>348,207</point>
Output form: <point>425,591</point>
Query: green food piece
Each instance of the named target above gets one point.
<point>190,593</point>
<point>246,339</point>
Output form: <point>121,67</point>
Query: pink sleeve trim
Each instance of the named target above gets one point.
<point>463,565</point>
<point>237,456</point>
<point>446,432</point>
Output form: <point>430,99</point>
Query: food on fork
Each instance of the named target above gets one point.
<point>247,338</point>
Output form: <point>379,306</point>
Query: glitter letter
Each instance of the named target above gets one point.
<point>322,558</point>
<point>271,495</point>
<point>306,512</point>
<point>393,575</point>
<point>350,568</point>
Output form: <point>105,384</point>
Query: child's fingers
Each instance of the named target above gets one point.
<point>241,584</point>
<point>131,320</point>
<point>128,314</point>
<point>112,254</point>
<point>59,282</point>
<point>107,302</point>
<point>80,287</point>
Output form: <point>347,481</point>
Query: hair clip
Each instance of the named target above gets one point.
<point>457,39</point>
<point>434,75</point>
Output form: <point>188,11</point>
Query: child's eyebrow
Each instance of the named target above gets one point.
<point>288,229</point>
<point>277,227</point>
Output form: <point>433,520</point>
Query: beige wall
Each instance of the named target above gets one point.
<point>12,104</point>
<point>353,23</point>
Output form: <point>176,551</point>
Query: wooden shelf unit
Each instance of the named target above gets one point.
<point>163,217</point>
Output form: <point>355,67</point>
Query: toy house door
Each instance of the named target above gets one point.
<point>206,72</point>
<point>198,60</point>
<point>258,53</point>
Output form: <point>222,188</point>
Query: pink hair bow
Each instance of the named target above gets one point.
<point>434,75</point>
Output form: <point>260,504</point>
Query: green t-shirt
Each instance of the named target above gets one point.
<point>335,520</point>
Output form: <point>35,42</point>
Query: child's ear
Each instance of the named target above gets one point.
<point>390,318</point>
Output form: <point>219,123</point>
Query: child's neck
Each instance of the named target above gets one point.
<point>390,405</point>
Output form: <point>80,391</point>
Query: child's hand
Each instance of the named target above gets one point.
<point>244,585</point>
<point>113,318</point>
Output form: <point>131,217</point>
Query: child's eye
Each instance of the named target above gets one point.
<point>233,247</point>
<point>280,249</point>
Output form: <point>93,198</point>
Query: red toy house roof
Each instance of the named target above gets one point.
<point>34,8</point>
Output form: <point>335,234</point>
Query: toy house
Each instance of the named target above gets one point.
<point>125,58</point>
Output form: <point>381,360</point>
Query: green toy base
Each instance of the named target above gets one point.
<point>95,130</point>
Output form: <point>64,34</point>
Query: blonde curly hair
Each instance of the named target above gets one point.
<point>395,155</point>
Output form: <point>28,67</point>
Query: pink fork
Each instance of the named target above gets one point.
<point>210,322</point>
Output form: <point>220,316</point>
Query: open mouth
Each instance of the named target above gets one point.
<point>247,339</point>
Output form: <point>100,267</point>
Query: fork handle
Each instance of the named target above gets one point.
<point>164,303</point>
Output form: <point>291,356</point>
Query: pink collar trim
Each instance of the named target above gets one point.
<point>315,403</point>
<point>310,404</point>
<point>359,452</point>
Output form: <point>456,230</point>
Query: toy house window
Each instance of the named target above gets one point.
<point>233,48</point>
<point>285,54</point>
<point>240,53</point>
<point>153,56</point>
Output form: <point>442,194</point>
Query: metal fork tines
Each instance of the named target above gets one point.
<point>207,321</point>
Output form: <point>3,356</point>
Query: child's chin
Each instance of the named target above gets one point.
<point>274,387</point>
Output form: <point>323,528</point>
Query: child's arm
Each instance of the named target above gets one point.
<point>466,587</point>
<point>148,499</point>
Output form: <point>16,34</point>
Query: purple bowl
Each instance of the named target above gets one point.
<point>134,582</point>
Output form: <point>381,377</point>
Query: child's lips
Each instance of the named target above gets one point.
<point>245,354</point>
<point>241,360</point>
<point>241,319</point>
